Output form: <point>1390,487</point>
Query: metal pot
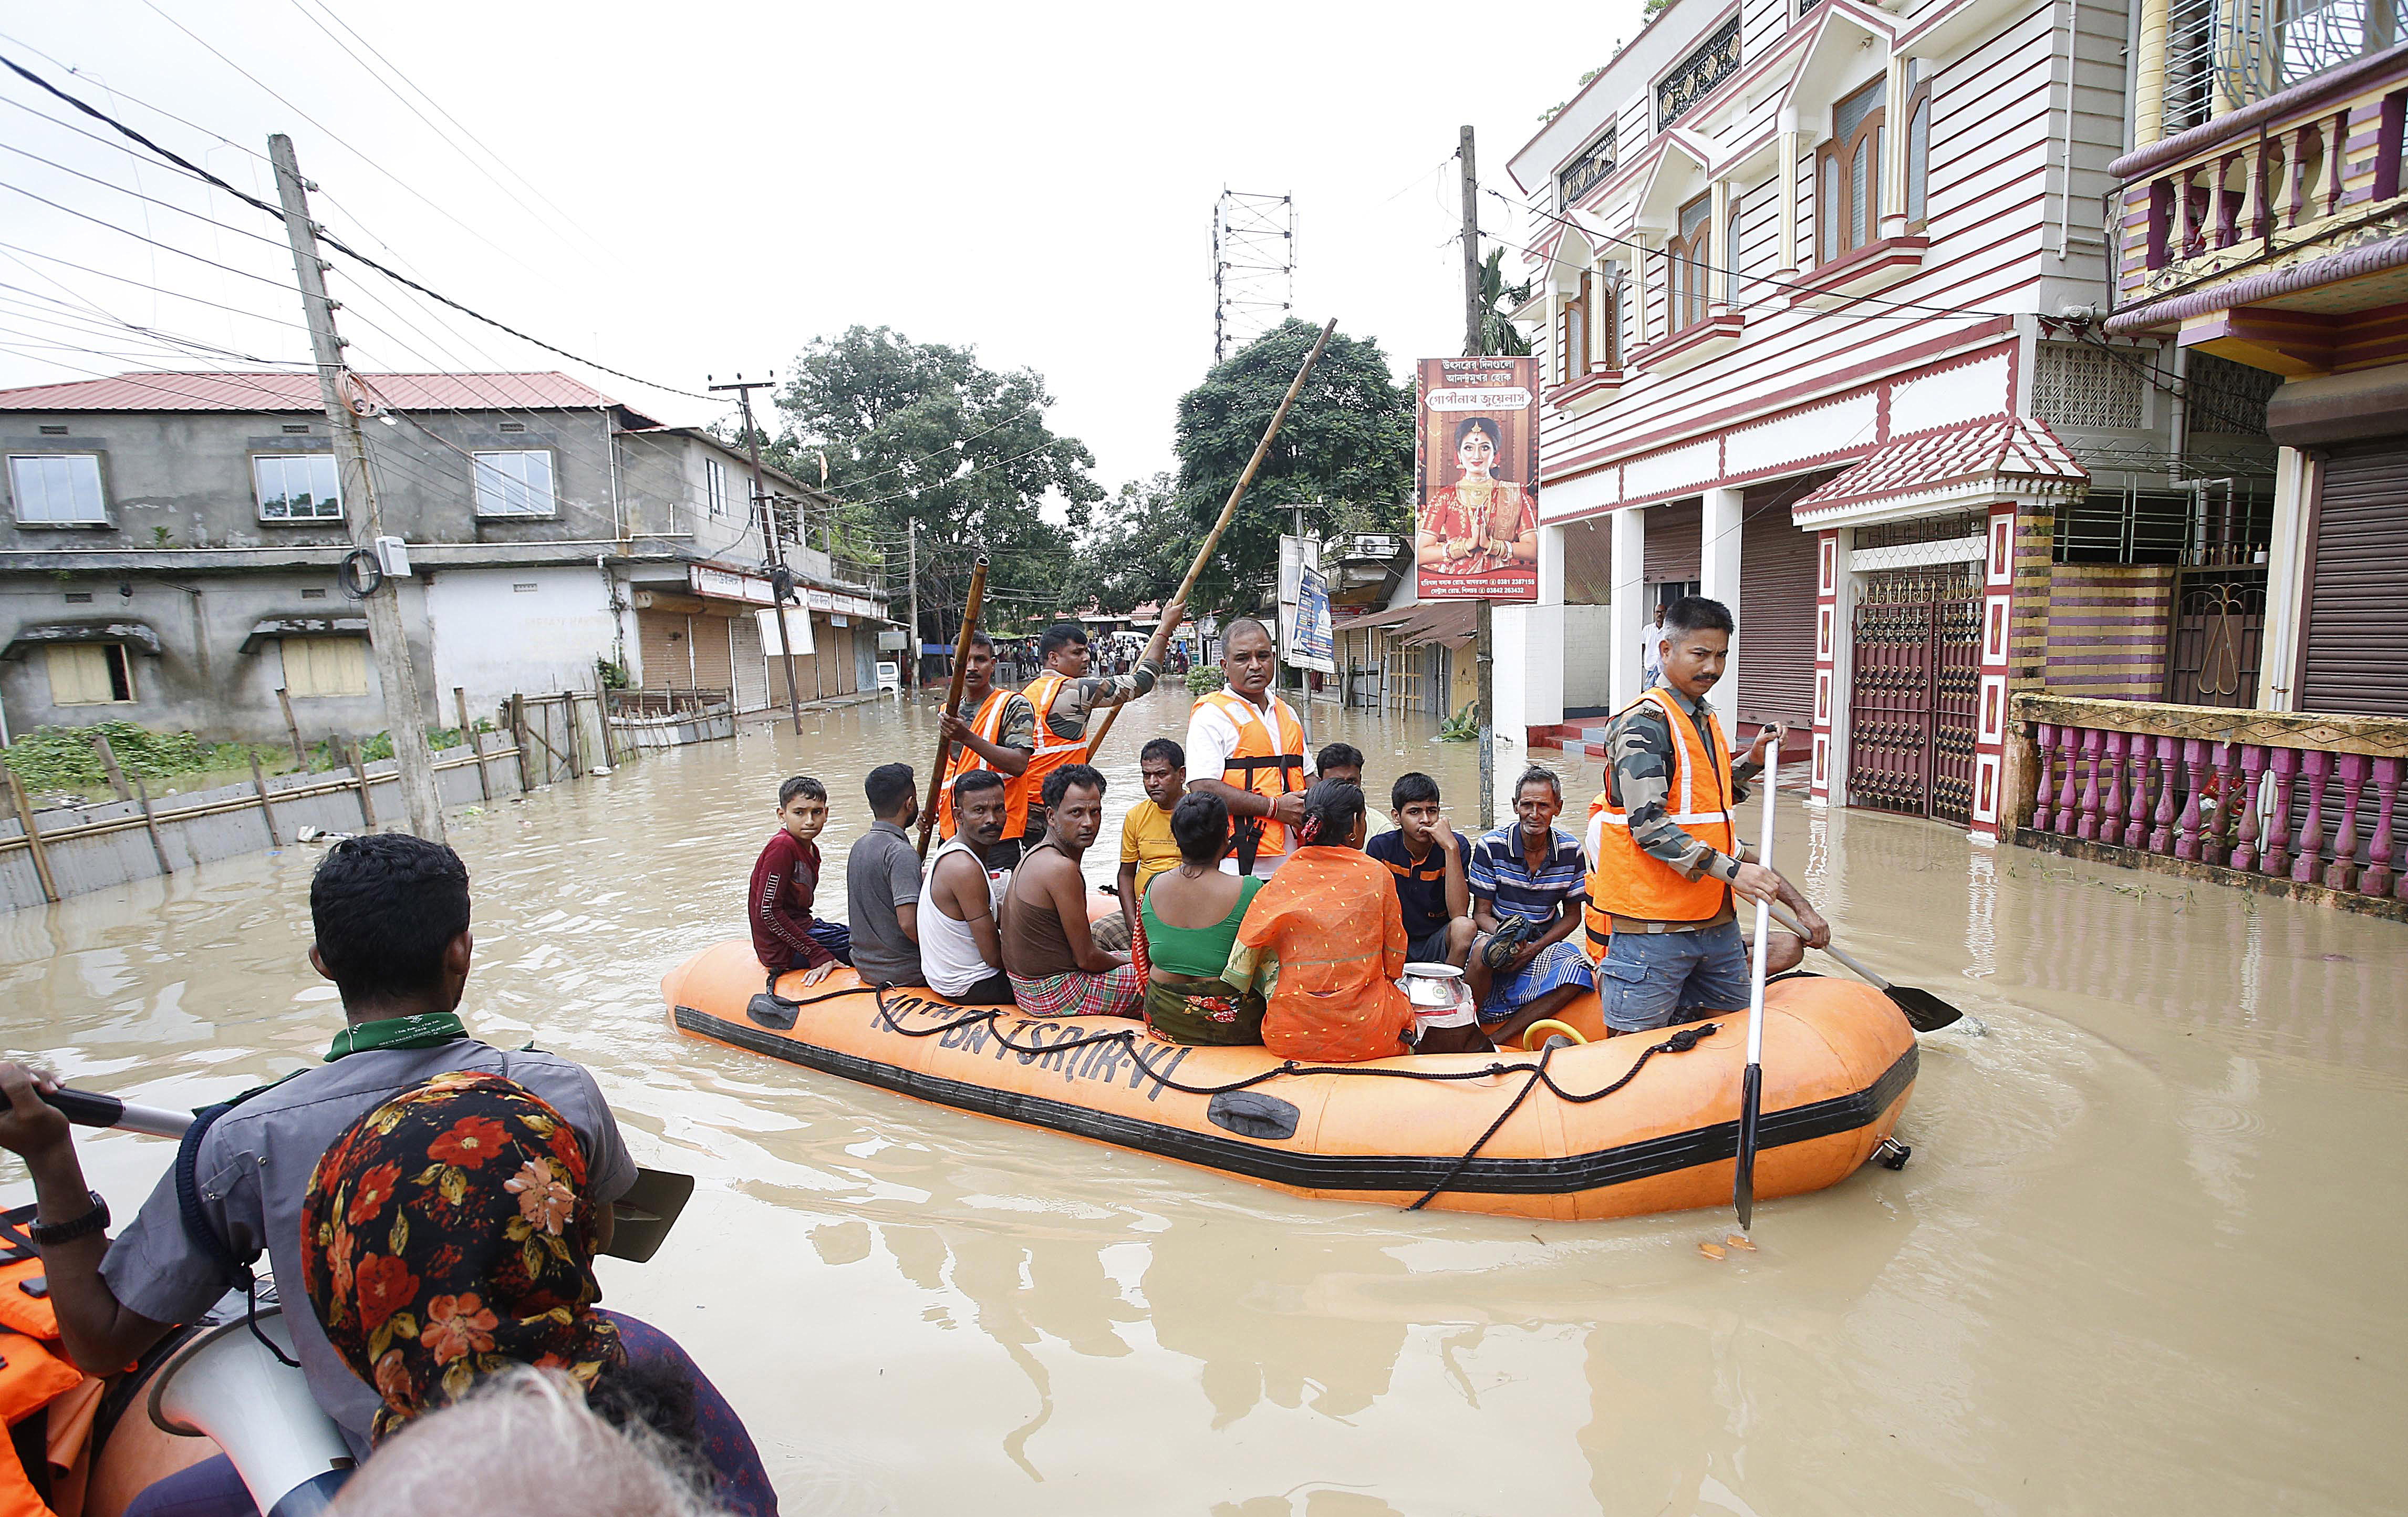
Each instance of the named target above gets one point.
<point>1433,986</point>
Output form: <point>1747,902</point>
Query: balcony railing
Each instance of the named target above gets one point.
<point>2253,796</point>
<point>2296,172</point>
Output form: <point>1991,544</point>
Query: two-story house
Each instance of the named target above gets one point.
<point>174,549</point>
<point>1819,287</point>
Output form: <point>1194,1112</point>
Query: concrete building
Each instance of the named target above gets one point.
<point>1818,288</point>
<point>174,545</point>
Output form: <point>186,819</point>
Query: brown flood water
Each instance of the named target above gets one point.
<point>2146,1257</point>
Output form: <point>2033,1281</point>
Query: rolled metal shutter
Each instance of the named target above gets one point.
<point>751,667</point>
<point>2356,638</point>
<point>1672,556</point>
<point>714,661</point>
<point>661,648</point>
<point>1776,617</point>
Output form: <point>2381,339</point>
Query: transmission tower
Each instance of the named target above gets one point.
<point>1254,268</point>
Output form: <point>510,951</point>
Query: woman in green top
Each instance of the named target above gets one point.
<point>1187,923</point>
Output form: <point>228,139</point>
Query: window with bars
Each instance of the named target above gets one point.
<point>1688,260</point>
<point>2205,523</point>
<point>1847,201</point>
<point>2224,54</point>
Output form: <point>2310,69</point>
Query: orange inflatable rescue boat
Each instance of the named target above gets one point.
<point>1612,1128</point>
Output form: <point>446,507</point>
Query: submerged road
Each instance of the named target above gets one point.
<point>2145,1257</point>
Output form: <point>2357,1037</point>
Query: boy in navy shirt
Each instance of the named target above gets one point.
<point>1427,857</point>
<point>786,934</point>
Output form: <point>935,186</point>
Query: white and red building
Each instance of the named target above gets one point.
<point>1817,296</point>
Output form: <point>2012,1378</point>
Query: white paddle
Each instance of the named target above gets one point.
<point>1751,1090</point>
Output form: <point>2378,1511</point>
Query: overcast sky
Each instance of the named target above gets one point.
<point>725,182</point>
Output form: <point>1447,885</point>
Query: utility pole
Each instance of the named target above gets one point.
<point>388,640</point>
<point>911,572</point>
<point>1483,644</point>
<point>765,510</point>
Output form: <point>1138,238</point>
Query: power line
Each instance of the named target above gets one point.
<point>128,231</point>
<point>106,185</point>
<point>335,242</point>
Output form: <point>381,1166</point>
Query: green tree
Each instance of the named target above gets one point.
<point>1348,443</point>
<point>1496,298</point>
<point>925,431</point>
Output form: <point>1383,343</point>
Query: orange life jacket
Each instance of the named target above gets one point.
<point>32,1374</point>
<point>1267,764</point>
<point>1625,880</point>
<point>1052,752</point>
<point>20,1310</point>
<point>987,723</point>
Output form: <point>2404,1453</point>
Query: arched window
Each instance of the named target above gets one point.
<point>1687,258</point>
<point>1848,209</point>
<point>1730,257</point>
<point>1918,144</point>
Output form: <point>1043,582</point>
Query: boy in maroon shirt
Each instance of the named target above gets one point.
<point>786,934</point>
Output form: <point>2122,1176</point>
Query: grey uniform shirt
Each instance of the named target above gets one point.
<point>254,1169</point>
<point>880,874</point>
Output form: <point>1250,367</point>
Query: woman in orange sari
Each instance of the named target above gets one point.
<point>1479,522</point>
<point>1325,941</point>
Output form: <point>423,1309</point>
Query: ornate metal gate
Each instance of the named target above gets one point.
<point>1911,716</point>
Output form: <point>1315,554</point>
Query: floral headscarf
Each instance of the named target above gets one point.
<point>448,1235</point>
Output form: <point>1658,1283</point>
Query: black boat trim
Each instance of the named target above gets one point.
<point>1308,1171</point>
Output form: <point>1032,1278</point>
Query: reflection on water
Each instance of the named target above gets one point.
<point>2133,1266</point>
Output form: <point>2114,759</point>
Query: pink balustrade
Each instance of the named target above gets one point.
<point>2300,811</point>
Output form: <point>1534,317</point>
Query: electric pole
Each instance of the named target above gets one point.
<point>911,646</point>
<point>1483,644</point>
<point>388,640</point>
<point>765,510</point>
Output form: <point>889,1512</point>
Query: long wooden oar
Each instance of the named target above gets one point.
<point>640,1218</point>
<point>1924,1012</point>
<point>1751,1087</point>
<point>953,696</point>
<point>1177,608</point>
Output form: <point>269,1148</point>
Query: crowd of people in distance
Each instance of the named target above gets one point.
<point>1253,905</point>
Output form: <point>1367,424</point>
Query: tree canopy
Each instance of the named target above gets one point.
<point>1347,443</point>
<point>925,431</point>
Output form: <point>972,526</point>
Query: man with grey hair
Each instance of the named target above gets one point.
<point>1528,887</point>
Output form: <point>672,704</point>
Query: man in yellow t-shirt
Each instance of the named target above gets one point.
<point>1147,847</point>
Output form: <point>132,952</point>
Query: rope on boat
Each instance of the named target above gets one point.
<point>1680,1042</point>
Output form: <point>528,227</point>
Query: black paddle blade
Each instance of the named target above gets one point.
<point>1751,1100</point>
<point>1924,1012</point>
<point>641,1219</point>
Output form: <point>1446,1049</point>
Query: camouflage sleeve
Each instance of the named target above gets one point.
<point>1019,728</point>
<point>1639,755</point>
<point>1080,698</point>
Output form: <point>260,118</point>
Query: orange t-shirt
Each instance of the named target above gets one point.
<point>1327,932</point>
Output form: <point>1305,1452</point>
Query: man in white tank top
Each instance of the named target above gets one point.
<point>961,948</point>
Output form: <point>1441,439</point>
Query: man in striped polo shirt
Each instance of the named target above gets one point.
<point>1529,884</point>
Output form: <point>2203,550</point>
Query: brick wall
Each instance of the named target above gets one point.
<point>2107,629</point>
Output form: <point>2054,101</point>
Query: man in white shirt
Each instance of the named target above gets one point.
<point>1246,745</point>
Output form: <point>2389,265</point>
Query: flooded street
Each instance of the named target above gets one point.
<point>2145,1256</point>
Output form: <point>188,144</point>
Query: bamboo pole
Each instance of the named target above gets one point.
<point>953,697</point>
<point>360,773</point>
<point>1173,612</point>
<point>576,749</point>
<point>519,739</point>
<point>291,727</point>
<point>342,786</point>
<point>151,825</point>
<point>33,838</point>
<point>475,744</point>
<point>266,811</point>
<point>109,765</point>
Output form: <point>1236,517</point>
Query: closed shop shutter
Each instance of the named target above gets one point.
<point>752,670</point>
<point>2356,636</point>
<point>1776,614</point>
<point>661,638</point>
<point>846,683</point>
<point>713,660</point>
<point>1672,543</point>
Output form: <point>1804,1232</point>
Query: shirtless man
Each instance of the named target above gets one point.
<point>961,952</point>
<point>1048,950</point>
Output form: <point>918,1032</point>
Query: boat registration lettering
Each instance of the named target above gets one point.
<point>1074,1053</point>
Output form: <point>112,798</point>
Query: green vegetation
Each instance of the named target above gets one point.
<point>65,758</point>
<point>1463,727</point>
<point>1205,678</point>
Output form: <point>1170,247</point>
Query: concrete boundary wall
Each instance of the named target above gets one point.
<point>94,848</point>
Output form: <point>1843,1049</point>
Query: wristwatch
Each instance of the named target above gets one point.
<point>94,1221</point>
